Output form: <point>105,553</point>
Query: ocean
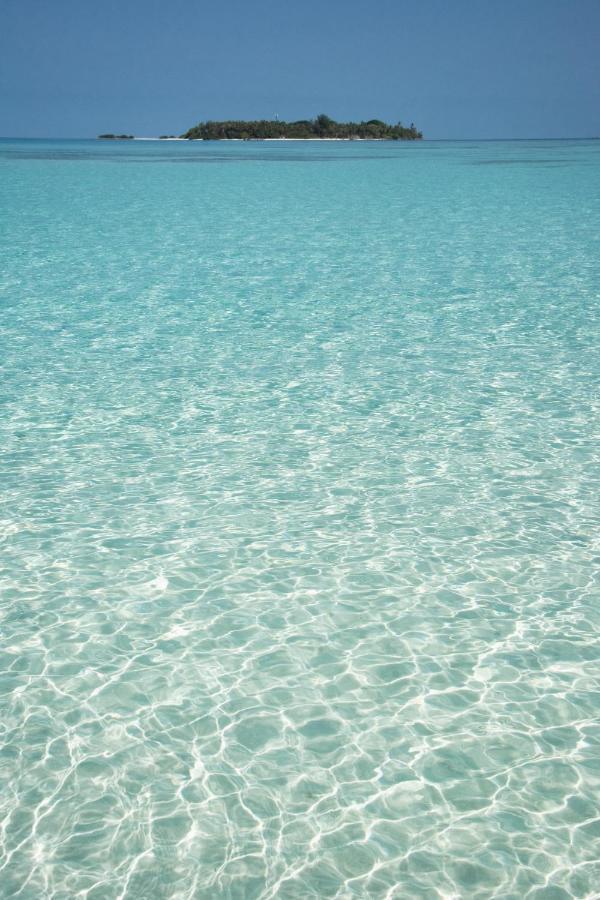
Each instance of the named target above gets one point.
<point>299,520</point>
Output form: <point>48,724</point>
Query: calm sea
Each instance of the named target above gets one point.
<point>299,520</point>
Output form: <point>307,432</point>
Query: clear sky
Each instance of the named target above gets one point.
<point>457,68</point>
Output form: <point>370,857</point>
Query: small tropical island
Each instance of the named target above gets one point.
<point>321,128</point>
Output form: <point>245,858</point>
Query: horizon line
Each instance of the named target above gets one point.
<point>13,137</point>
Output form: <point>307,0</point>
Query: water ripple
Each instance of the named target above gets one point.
<point>299,530</point>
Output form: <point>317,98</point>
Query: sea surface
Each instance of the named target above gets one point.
<point>299,520</point>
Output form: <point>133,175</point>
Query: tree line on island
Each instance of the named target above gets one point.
<point>321,127</point>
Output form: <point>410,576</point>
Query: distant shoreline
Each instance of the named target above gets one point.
<point>321,128</point>
<point>244,140</point>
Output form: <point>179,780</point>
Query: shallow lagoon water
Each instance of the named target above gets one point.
<point>299,520</point>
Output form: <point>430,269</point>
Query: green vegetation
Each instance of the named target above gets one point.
<point>321,127</point>
<point>115,137</point>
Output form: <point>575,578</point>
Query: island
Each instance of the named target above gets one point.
<point>321,128</point>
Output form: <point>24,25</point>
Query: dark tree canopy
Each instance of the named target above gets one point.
<point>321,127</point>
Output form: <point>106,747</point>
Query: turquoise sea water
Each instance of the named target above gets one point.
<point>299,520</point>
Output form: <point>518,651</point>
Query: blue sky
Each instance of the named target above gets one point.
<point>457,68</point>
